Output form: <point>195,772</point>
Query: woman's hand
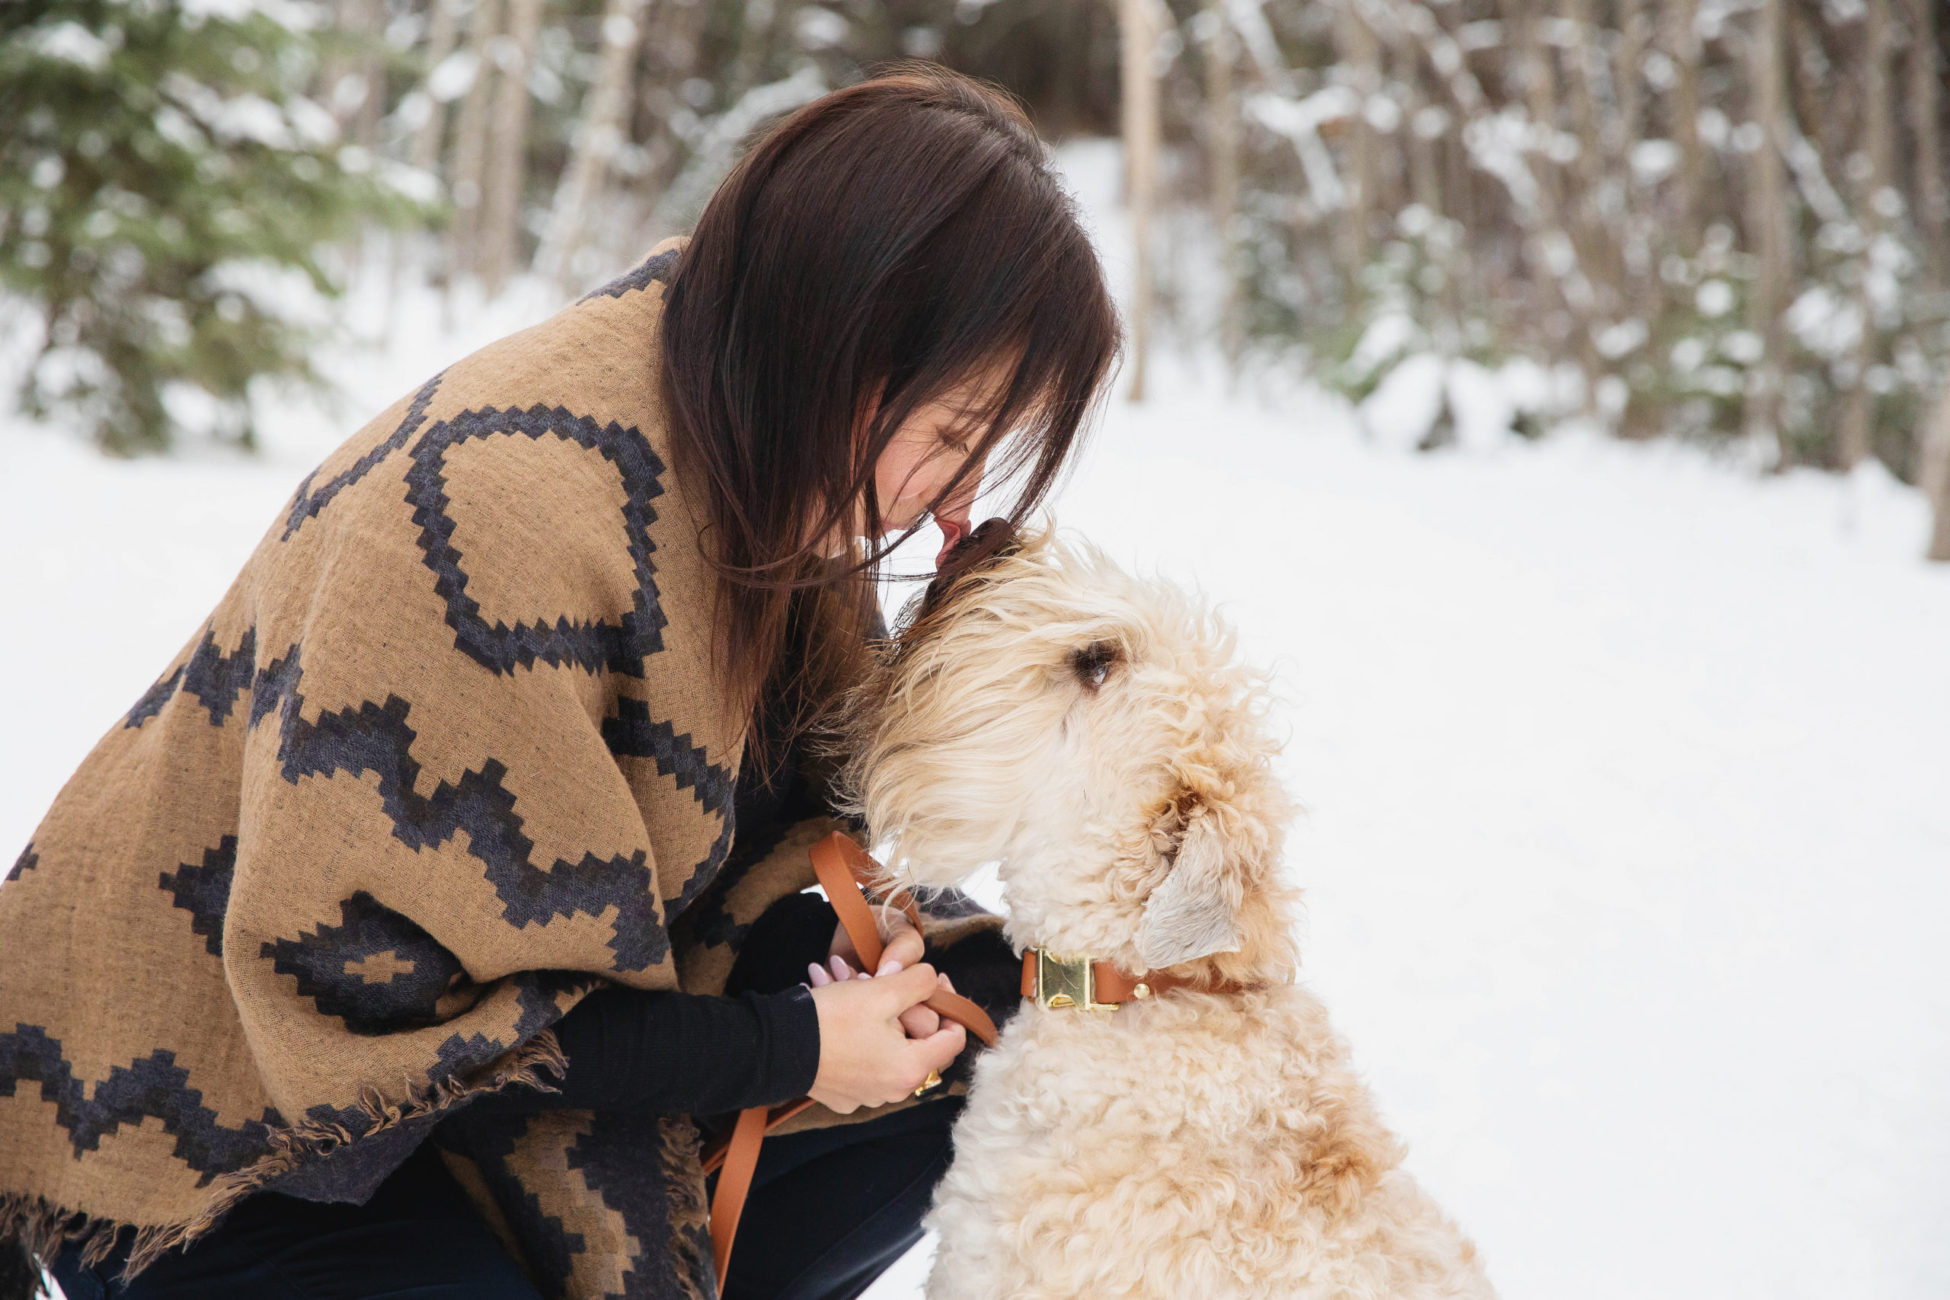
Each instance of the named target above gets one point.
<point>902,948</point>
<point>865,1055</point>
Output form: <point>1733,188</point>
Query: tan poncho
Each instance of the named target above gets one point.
<point>449,754</point>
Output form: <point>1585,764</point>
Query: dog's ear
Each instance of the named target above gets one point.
<point>1188,916</point>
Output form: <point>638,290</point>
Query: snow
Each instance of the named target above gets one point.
<point>72,42</point>
<point>1624,773</point>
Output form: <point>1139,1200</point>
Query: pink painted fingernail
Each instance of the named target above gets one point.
<point>841,971</point>
<point>820,977</point>
<point>889,966</point>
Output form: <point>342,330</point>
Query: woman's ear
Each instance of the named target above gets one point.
<point>1188,916</point>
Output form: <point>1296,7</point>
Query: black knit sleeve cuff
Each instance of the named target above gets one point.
<point>789,1028</point>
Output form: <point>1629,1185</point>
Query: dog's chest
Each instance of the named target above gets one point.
<point>1191,1084</point>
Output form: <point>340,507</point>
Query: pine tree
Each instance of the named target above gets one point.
<point>165,191</point>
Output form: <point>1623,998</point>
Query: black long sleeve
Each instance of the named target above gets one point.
<point>671,1053</point>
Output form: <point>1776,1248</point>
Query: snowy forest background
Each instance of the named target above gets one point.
<point>1725,220</point>
<point>1552,392</point>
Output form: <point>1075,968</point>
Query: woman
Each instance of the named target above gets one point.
<point>406,934</point>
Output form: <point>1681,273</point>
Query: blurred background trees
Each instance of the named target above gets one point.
<point>167,193</point>
<point>1711,219</point>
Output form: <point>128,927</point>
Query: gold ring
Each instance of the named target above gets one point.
<point>932,1081</point>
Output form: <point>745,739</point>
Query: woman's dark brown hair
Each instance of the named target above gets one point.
<point>871,253</point>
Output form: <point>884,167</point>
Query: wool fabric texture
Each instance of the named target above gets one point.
<point>450,753</point>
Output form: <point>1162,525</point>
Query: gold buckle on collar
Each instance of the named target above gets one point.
<point>1067,982</point>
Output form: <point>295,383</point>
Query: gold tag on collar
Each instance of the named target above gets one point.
<point>1067,982</point>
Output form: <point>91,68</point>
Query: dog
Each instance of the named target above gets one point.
<point>1095,735</point>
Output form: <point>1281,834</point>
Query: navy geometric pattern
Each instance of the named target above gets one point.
<point>376,738</point>
<point>548,1249</point>
<point>410,971</point>
<point>619,647</point>
<point>204,891</point>
<point>610,1157</point>
<point>305,504</point>
<point>633,733</point>
<point>652,270</point>
<point>153,699</point>
<point>215,678</point>
<point>154,1086</point>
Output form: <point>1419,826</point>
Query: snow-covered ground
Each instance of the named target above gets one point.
<point>1627,778</point>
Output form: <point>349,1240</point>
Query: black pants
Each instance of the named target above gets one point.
<point>829,1211</point>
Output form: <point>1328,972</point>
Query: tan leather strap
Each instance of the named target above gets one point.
<point>733,1183</point>
<point>1113,985</point>
<point>841,865</point>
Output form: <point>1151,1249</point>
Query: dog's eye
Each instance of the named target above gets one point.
<point>1092,663</point>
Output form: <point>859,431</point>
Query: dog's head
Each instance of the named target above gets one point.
<point>1094,734</point>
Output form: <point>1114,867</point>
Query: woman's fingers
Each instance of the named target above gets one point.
<point>904,944</point>
<point>842,945</point>
<point>938,1050</point>
<point>906,988</point>
<point>920,1021</point>
<point>818,974</point>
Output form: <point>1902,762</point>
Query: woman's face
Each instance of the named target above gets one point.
<point>928,450</point>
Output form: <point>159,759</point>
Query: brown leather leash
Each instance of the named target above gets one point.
<point>842,867</point>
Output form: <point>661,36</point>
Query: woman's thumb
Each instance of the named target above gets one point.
<point>910,985</point>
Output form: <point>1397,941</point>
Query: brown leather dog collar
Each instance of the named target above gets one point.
<point>1055,982</point>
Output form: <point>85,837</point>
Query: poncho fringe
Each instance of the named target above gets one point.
<point>47,1230</point>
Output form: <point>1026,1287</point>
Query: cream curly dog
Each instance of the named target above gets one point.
<point>1094,734</point>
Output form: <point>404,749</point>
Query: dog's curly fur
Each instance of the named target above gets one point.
<point>1095,735</point>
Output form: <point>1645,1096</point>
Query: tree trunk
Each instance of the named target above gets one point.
<point>1360,53</point>
<point>345,82</point>
<point>1933,438</point>
<point>467,180</point>
<point>443,29</point>
<point>1767,199</point>
<point>596,141</point>
<point>1681,39</point>
<point>1573,289</point>
<point>1638,260</point>
<point>1925,94</point>
<point>1878,143</point>
<point>664,65</point>
<point>508,169</point>
<point>1140,30</point>
<point>1220,56</point>
<point>1589,221</point>
<point>756,21</point>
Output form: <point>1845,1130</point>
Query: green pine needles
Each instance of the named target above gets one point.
<point>165,194</point>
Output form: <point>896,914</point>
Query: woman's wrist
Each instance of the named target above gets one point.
<point>790,1030</point>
